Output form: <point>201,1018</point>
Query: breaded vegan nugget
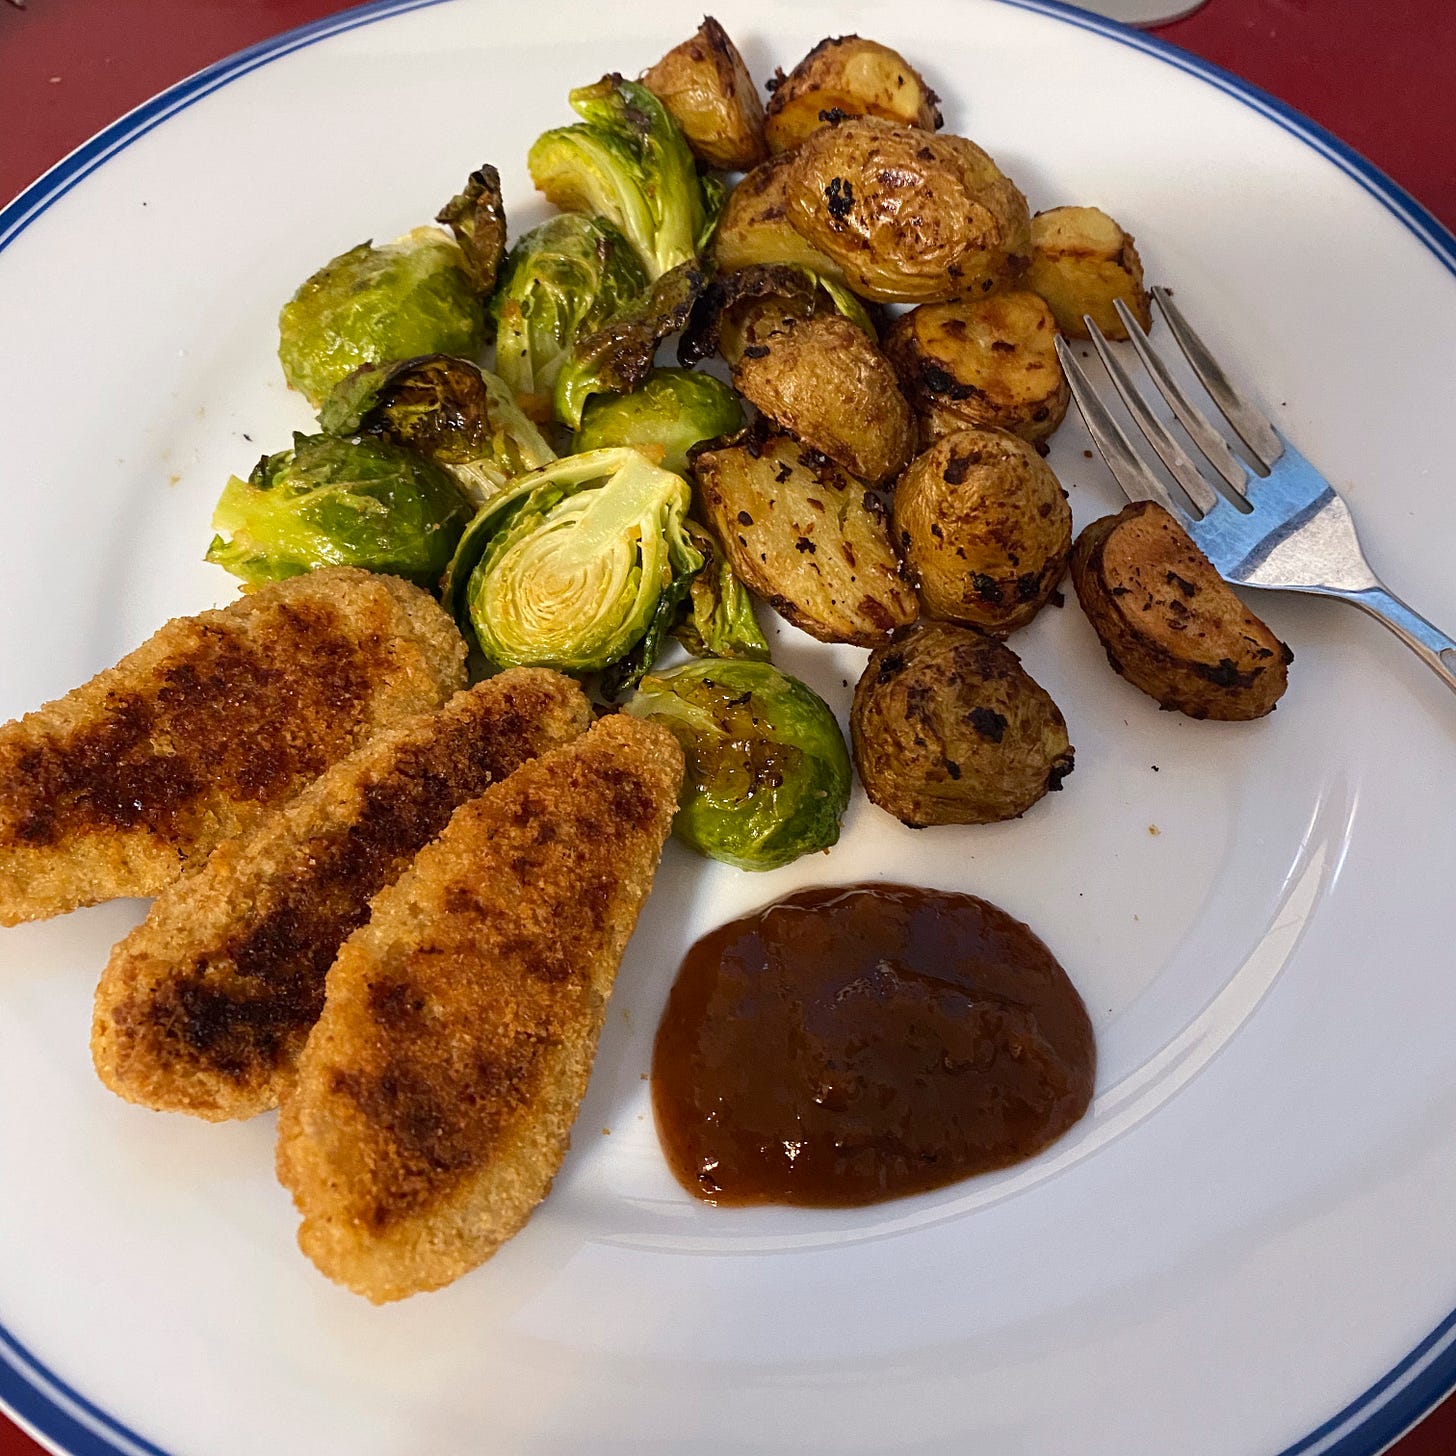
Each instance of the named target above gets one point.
<point>125,783</point>
<point>206,1005</point>
<point>435,1097</point>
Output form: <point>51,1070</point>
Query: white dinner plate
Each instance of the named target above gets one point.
<point>1244,1249</point>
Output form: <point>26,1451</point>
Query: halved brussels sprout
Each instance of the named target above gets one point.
<point>673,411</point>
<point>448,410</point>
<point>563,279</point>
<point>768,774</point>
<point>720,621</point>
<point>477,217</point>
<point>330,502</point>
<point>576,565</point>
<point>628,161</point>
<point>413,296</point>
<point>618,357</point>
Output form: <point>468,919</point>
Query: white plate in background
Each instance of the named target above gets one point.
<point>1244,1248</point>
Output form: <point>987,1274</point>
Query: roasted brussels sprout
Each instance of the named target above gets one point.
<point>673,411</point>
<point>563,279</point>
<point>1170,624</point>
<point>908,216</point>
<point>981,361</point>
<point>409,297</point>
<point>477,217</point>
<point>753,227</point>
<point>627,161</point>
<point>618,357</point>
<point>576,565</point>
<point>768,776</point>
<point>719,620</point>
<point>984,527</point>
<point>847,76</point>
<point>1080,261</point>
<point>823,381</point>
<point>948,728</point>
<point>707,88</point>
<point>447,409</point>
<point>330,502</point>
<point>807,537</point>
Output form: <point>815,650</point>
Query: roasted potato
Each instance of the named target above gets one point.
<point>1080,261</point>
<point>847,76</point>
<point>908,217</point>
<point>707,88</point>
<point>984,527</point>
<point>948,728</point>
<point>981,361</point>
<point>821,380</point>
<point>1171,625</point>
<point>804,535</point>
<point>754,226</point>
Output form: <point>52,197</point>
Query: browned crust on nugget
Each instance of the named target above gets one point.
<point>205,1006</point>
<point>435,1097</point>
<point>1170,624</point>
<point>216,718</point>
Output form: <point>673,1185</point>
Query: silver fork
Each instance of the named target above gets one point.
<point>1291,532</point>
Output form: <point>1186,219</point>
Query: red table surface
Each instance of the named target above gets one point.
<point>1377,75</point>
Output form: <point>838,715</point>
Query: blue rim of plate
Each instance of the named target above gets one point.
<point>57,1414</point>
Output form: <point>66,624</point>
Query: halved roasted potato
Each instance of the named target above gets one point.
<point>847,76</point>
<point>807,537</point>
<point>984,526</point>
<point>1170,624</point>
<point>909,217</point>
<point>1080,261</point>
<point>823,381</point>
<point>947,727</point>
<point>981,361</point>
<point>754,226</point>
<point>707,89</point>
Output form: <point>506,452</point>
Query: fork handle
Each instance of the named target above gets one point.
<point>1433,647</point>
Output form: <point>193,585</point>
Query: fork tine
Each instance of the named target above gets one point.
<point>1215,448</point>
<point>1172,454</point>
<point>1136,480</point>
<point>1255,431</point>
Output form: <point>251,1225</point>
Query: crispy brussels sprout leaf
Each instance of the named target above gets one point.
<point>618,357</point>
<point>768,774</point>
<point>409,297</point>
<point>673,411</point>
<point>563,279</point>
<point>331,502</point>
<point>568,567</point>
<point>627,160</point>
<point>720,620</point>
<point>477,217</point>
<point>449,410</point>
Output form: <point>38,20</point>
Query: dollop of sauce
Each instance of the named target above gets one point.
<point>848,1045</point>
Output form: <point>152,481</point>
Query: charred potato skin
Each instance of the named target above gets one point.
<point>907,216</point>
<point>984,526</point>
<point>809,539</point>
<point>947,727</point>
<point>1081,260</point>
<point>981,361</point>
<point>707,89</point>
<point>1170,624</point>
<point>847,76</point>
<point>821,380</point>
<point>754,227</point>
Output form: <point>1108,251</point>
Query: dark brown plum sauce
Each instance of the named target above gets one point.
<point>848,1045</point>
